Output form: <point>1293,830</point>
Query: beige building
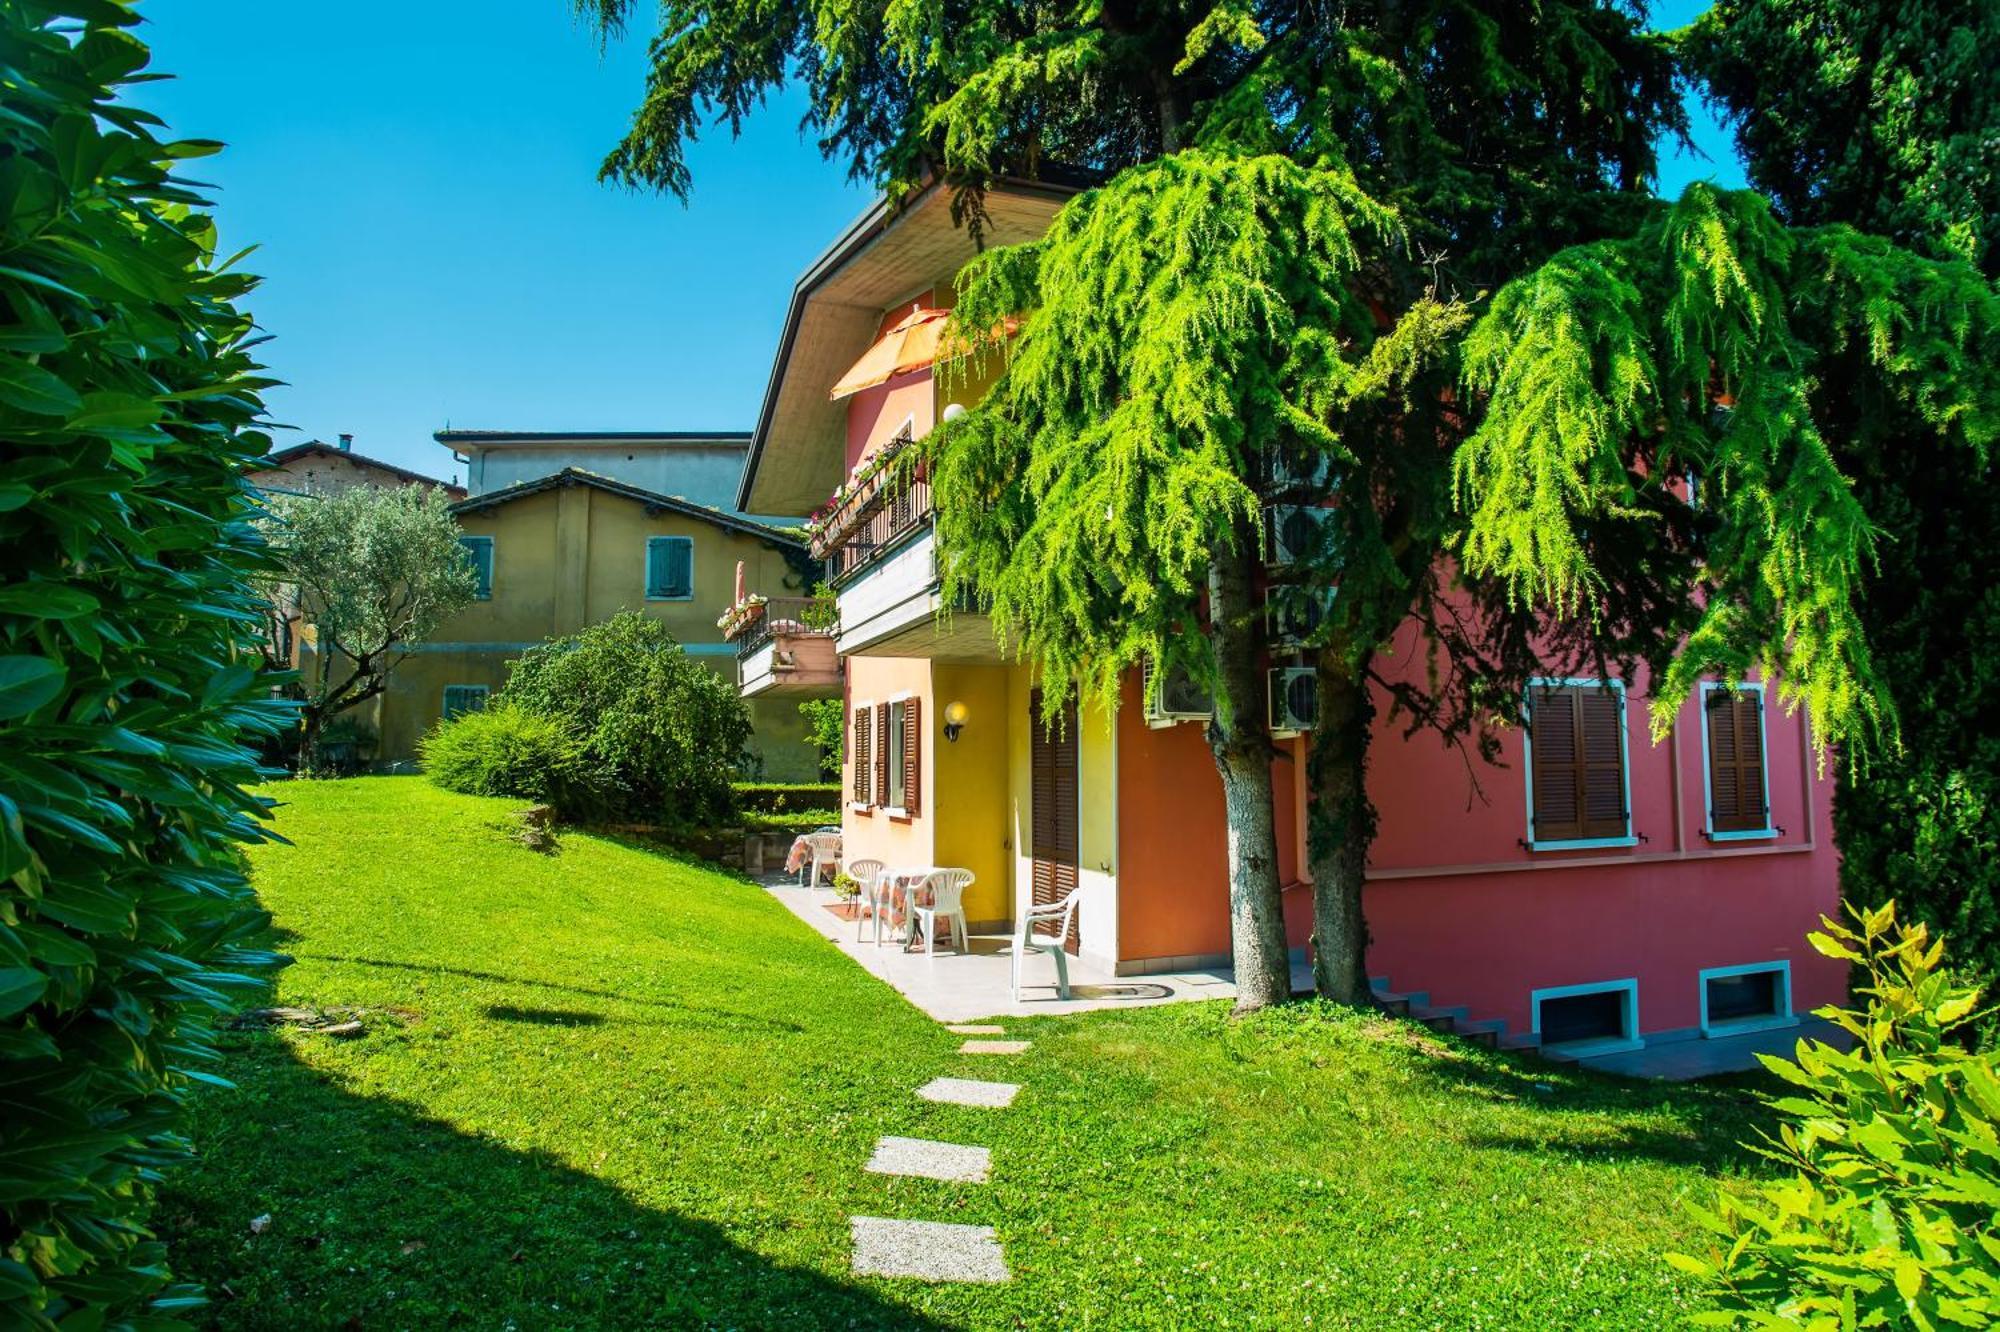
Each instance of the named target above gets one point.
<point>319,468</point>
<point>565,551</point>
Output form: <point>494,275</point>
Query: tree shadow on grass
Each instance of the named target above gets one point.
<point>1600,1116</point>
<point>380,1216</point>
<point>721,1017</point>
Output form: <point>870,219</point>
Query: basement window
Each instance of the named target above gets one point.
<point>1588,1019</point>
<point>1746,998</point>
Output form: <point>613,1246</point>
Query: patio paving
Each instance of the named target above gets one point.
<point>959,987</point>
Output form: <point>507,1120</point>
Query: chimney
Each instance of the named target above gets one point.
<point>346,443</point>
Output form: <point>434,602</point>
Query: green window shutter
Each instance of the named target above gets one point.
<point>669,568</point>
<point>461,699</point>
<point>479,550</point>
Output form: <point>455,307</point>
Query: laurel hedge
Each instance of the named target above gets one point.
<point>128,677</point>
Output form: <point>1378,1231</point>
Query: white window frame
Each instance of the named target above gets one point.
<point>444,699</point>
<point>1769,830</point>
<point>898,757</point>
<point>1631,1040</point>
<point>492,562</point>
<point>1624,764</point>
<point>1784,1017</point>
<point>646,567</point>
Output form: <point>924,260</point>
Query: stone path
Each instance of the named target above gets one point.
<point>938,1250</point>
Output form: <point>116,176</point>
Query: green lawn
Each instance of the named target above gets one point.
<point>605,1088</point>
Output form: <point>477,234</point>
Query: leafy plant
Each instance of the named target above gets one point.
<point>662,733</point>
<point>826,731</point>
<point>507,751</point>
<point>128,669</point>
<point>1888,1216</point>
<point>375,572</point>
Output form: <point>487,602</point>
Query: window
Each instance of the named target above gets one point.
<point>1746,998</point>
<point>479,550</point>
<point>669,568</point>
<point>898,741</point>
<point>1733,772</point>
<point>461,699</point>
<point>1605,1015</point>
<point>864,767</point>
<point>1578,791</point>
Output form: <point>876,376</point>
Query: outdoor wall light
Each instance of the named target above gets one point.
<point>954,719</point>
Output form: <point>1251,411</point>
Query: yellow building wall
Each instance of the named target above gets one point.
<point>572,557</point>
<point>974,828</point>
<point>868,832</point>
<point>1097,823</point>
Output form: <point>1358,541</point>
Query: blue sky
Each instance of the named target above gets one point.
<point>420,182</point>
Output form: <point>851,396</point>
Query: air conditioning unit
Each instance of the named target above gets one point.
<point>1294,699</point>
<point>1177,699</point>
<point>1297,532</point>
<point>1295,613</point>
<point>1299,469</point>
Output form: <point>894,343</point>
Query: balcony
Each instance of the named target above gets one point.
<point>881,558</point>
<point>785,645</point>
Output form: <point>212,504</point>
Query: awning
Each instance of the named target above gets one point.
<point>910,344</point>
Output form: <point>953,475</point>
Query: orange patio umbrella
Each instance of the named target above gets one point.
<point>912,343</point>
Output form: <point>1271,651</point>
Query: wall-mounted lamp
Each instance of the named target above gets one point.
<point>954,719</point>
<point>953,410</point>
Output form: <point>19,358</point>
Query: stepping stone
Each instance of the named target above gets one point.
<point>970,1091</point>
<point>993,1047</point>
<point>931,1160</point>
<point>927,1250</point>
<point>975,1029</point>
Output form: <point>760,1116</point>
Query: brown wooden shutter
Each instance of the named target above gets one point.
<point>1578,765</point>
<point>913,748</point>
<point>1736,761</point>
<point>864,727</point>
<point>882,754</point>
<point>1602,709</point>
<point>1053,830</point>
<point>1554,764</point>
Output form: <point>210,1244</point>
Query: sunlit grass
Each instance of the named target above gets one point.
<point>606,1088</point>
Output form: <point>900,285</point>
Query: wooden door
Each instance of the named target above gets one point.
<point>1053,815</point>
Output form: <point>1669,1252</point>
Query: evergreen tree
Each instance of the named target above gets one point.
<point>1888,117</point>
<point>1303,211</point>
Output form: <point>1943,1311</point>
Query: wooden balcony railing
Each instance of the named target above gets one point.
<point>871,521</point>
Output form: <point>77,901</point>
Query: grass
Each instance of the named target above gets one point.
<point>606,1088</point>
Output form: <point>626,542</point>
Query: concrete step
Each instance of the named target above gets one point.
<point>1396,1005</point>
<point>1486,1031</point>
<point>1521,1040</point>
<point>1444,1019</point>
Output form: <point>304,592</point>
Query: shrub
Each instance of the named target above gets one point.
<point>662,733</point>
<point>1887,1218</point>
<point>128,681</point>
<point>506,751</point>
<point>785,797</point>
<point>826,732</point>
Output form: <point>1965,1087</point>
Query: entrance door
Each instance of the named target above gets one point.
<point>1052,828</point>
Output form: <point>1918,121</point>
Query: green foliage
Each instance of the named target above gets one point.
<point>128,669</point>
<point>1622,352</point>
<point>661,733</point>
<point>507,751</point>
<point>375,572</point>
<point>782,796</point>
<point>826,731</point>
<point>1194,316</point>
<point>1887,1216</point>
<point>1883,115</point>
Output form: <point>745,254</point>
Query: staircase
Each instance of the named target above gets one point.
<point>1455,1019</point>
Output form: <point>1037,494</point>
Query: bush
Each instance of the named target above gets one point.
<point>505,751</point>
<point>826,732</point>
<point>786,797</point>
<point>128,683</point>
<point>1888,1216</point>
<point>661,733</point>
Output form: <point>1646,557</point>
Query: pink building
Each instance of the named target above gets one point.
<point>1598,893</point>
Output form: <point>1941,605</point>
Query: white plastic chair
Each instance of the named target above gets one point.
<point>867,876</point>
<point>825,849</point>
<point>1026,941</point>
<point>946,888</point>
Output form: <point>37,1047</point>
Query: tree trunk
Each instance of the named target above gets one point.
<point>1341,824</point>
<point>1243,757</point>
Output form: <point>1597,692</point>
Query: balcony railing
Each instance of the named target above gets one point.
<point>802,617</point>
<point>868,524</point>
